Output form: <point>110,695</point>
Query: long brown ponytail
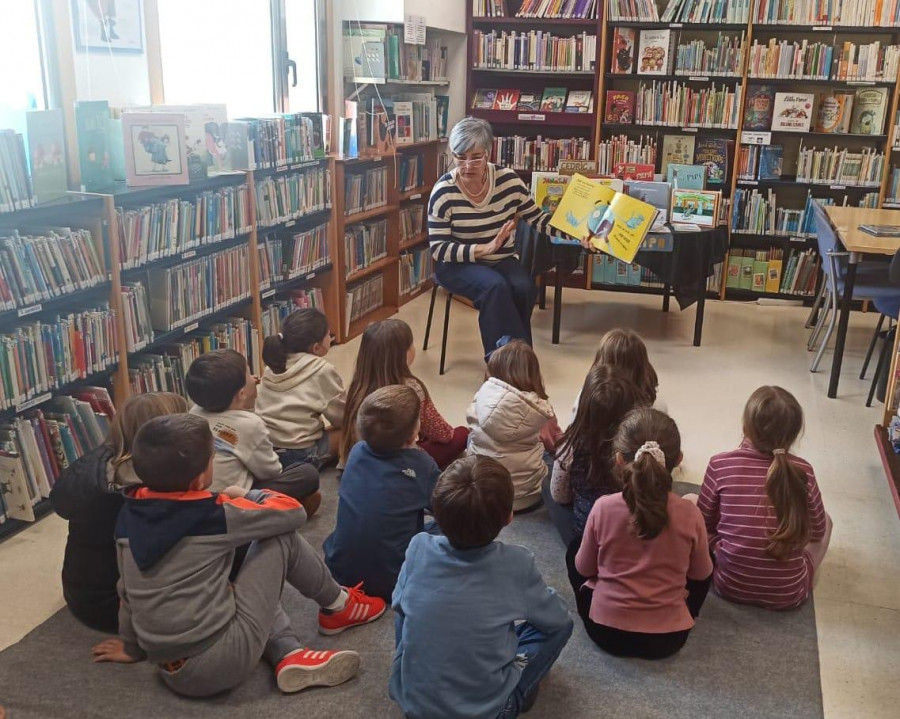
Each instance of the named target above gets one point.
<point>646,482</point>
<point>299,332</point>
<point>773,419</point>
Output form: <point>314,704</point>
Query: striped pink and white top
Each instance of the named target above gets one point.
<point>740,520</point>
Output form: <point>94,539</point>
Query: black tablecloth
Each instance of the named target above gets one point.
<point>540,255</point>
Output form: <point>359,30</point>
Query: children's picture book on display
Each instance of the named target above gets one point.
<point>91,125</point>
<point>869,109</point>
<point>506,100</point>
<point>47,153</point>
<point>403,116</point>
<point>715,154</point>
<point>484,99</point>
<point>528,102</point>
<point>759,107</point>
<point>686,177</point>
<point>581,101</point>
<point>678,149</point>
<point>771,162</point>
<point>623,51</point>
<point>633,171</point>
<point>554,99</point>
<point>658,194</point>
<point>443,113</point>
<point>381,136</point>
<point>792,111</point>
<point>619,107</point>
<point>613,222</point>
<point>654,52</point>
<point>547,190</point>
<point>155,153</point>
<point>833,115</point>
<point>697,207</point>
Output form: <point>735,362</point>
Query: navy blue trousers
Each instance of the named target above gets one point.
<point>503,293</point>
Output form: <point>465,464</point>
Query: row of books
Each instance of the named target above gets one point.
<point>412,62</point>
<point>840,166</point>
<point>47,263</point>
<point>769,271</point>
<point>707,11</point>
<point>274,313</point>
<point>364,244</point>
<point>282,198</point>
<point>38,357</point>
<point>488,8</point>
<point>271,259</point>
<point>646,52</point>
<point>540,153</point>
<point>607,270</point>
<point>415,270</point>
<point>758,213</point>
<point>16,190</point>
<point>621,149</point>
<point>363,298</point>
<point>859,112</point>
<point>569,9</point>
<point>534,51</point>
<point>36,447</point>
<point>822,61</point>
<point>551,99</point>
<point>676,104</point>
<point>760,162</point>
<point>186,293</point>
<point>175,225</point>
<point>365,190</point>
<point>724,58</point>
<point>412,221</point>
<point>305,252</point>
<point>418,117</point>
<point>893,193</point>
<point>412,172</point>
<point>287,139</point>
<point>858,13</point>
<point>136,316</point>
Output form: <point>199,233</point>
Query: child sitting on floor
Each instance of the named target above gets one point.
<point>506,417</point>
<point>175,543</point>
<point>584,467</point>
<point>386,352</point>
<point>625,350</point>
<point>460,652</point>
<point>299,388</point>
<point>89,495</point>
<point>386,486</point>
<point>767,526</point>
<point>224,392</point>
<point>643,569</point>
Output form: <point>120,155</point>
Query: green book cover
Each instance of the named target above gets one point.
<point>734,269</point>
<point>47,154</point>
<point>760,268</point>
<point>116,149</point>
<point>393,47</point>
<point>92,128</point>
<point>747,272</point>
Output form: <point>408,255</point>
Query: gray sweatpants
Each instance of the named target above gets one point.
<point>297,481</point>
<point>259,626</point>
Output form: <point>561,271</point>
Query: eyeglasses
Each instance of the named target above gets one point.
<point>471,161</point>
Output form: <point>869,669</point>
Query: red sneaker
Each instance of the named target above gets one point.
<point>304,668</point>
<point>360,609</point>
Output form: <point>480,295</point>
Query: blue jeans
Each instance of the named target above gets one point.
<point>503,293</point>
<point>316,455</point>
<point>537,652</point>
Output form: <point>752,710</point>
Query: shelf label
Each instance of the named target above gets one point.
<point>837,187</point>
<point>756,138</point>
<point>191,327</point>
<point>25,311</point>
<point>310,276</point>
<point>534,117</point>
<point>690,129</point>
<point>822,28</point>
<point>676,24</point>
<point>797,239</point>
<point>290,223</point>
<point>268,293</point>
<point>699,78</point>
<point>749,182</point>
<point>417,196</point>
<point>187,255</point>
<point>34,402</point>
<point>375,158</point>
<point>860,82</point>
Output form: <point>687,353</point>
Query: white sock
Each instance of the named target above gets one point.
<point>339,603</point>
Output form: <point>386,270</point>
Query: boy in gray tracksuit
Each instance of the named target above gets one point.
<point>175,548</point>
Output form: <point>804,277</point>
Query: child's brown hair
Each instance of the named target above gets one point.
<point>136,411</point>
<point>300,330</point>
<point>472,501</point>
<point>388,417</point>
<point>381,361</point>
<point>516,364</point>
<point>773,419</point>
<point>214,379</point>
<point>170,452</point>
<point>646,482</point>
<point>626,350</point>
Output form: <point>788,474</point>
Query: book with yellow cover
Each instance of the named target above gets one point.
<point>615,223</point>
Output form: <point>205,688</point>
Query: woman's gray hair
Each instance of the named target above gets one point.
<point>470,134</point>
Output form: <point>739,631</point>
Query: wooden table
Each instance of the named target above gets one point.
<point>846,221</point>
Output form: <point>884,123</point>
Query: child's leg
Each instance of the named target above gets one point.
<point>444,453</point>
<point>334,442</point>
<point>300,481</point>
<point>537,652</point>
<point>561,515</point>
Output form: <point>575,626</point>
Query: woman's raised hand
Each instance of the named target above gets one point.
<point>499,240</point>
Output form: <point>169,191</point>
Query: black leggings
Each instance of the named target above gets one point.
<point>619,642</point>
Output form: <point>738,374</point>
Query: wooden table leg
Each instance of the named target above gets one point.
<point>844,320</point>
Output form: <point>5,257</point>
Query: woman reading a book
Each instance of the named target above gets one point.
<point>472,216</point>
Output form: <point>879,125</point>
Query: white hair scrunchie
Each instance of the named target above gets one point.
<point>780,450</point>
<point>651,448</point>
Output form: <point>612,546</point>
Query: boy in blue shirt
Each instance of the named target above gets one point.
<point>385,488</point>
<point>463,651</point>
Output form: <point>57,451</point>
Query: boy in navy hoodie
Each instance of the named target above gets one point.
<point>175,544</point>
<point>385,488</point>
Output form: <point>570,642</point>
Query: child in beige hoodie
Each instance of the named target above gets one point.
<point>300,390</point>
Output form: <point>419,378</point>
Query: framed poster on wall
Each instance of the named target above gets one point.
<point>110,25</point>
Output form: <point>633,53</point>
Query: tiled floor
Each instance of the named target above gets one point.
<point>858,594</point>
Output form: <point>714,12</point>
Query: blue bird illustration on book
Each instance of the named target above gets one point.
<point>634,221</point>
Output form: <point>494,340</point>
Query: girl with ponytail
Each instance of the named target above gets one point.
<point>643,568</point>
<point>764,514</point>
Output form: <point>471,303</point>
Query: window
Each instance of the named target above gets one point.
<point>302,24</point>
<point>22,83</point>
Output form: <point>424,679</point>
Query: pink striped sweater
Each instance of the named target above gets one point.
<point>740,521</point>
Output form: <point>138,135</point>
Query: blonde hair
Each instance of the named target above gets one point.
<point>516,364</point>
<point>134,414</point>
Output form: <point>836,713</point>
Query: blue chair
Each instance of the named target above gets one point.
<point>873,283</point>
<point>890,309</point>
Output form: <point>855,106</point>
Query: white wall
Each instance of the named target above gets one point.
<point>373,10</point>
<point>440,14</point>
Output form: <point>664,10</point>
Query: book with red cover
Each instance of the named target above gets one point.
<point>619,106</point>
<point>506,100</point>
<point>633,171</point>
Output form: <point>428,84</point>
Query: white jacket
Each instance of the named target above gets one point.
<point>293,403</point>
<point>505,424</point>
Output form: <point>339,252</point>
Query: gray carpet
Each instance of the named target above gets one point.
<point>738,661</point>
